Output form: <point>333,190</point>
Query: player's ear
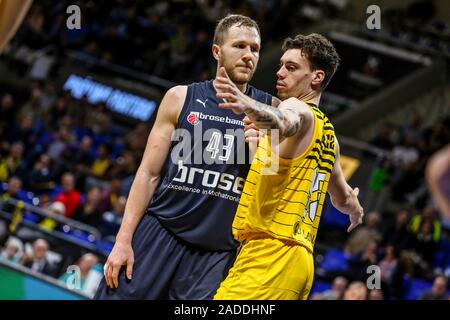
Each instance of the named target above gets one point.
<point>318,78</point>
<point>216,51</point>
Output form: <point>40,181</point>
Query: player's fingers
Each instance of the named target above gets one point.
<point>228,105</point>
<point>223,87</point>
<point>227,96</point>
<point>130,264</point>
<point>108,277</point>
<point>223,72</point>
<point>115,275</point>
<point>250,127</point>
<point>356,191</point>
<point>351,227</point>
<point>105,273</point>
<point>247,120</point>
<point>251,133</point>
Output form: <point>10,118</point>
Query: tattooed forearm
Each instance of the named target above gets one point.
<point>268,117</point>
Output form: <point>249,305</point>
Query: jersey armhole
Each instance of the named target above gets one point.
<point>185,108</point>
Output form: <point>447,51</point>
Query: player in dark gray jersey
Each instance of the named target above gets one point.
<point>175,240</point>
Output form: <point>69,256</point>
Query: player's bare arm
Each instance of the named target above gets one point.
<point>437,175</point>
<point>145,183</point>
<point>343,197</point>
<point>289,117</point>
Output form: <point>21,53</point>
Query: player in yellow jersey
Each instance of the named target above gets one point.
<point>280,207</point>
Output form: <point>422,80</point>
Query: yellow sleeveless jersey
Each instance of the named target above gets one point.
<point>287,204</point>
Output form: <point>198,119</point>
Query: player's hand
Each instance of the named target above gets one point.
<point>121,255</point>
<point>353,208</point>
<point>251,132</point>
<point>227,91</point>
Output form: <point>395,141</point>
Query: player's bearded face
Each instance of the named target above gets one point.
<point>240,53</point>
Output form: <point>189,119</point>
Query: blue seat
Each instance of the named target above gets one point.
<point>319,286</point>
<point>335,260</point>
<point>416,288</point>
<point>333,218</point>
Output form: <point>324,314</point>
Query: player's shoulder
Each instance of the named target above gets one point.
<point>177,93</point>
<point>298,104</point>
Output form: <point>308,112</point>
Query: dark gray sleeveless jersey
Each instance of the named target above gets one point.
<point>204,173</point>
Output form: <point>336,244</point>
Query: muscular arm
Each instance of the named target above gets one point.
<point>144,184</point>
<point>343,197</point>
<point>148,174</point>
<point>289,117</point>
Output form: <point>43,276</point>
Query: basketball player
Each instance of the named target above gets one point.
<point>278,214</point>
<point>438,177</point>
<point>180,246</point>
<point>12,12</point>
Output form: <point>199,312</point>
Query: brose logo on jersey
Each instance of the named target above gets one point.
<point>210,179</point>
<point>193,118</point>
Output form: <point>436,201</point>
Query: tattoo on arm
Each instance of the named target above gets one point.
<point>268,117</point>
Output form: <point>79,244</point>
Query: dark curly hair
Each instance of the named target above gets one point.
<point>319,51</point>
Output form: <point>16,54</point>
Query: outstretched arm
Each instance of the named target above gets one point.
<point>288,118</point>
<point>438,178</point>
<point>343,197</point>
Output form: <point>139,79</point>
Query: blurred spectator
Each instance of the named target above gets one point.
<point>364,235</point>
<point>398,235</point>
<point>405,153</point>
<point>41,179</point>
<point>384,139</point>
<point>101,166</point>
<point>7,111</point>
<point>336,292</point>
<point>70,197</point>
<point>361,261</point>
<point>356,291</point>
<point>13,190</point>
<point>111,194</point>
<point>99,120</point>
<point>376,294</point>
<point>438,291</point>
<point>13,250</point>
<point>429,214</point>
<point>124,166</point>
<point>136,139</point>
<point>83,160</point>
<point>90,212</point>
<point>85,263</point>
<point>24,131</point>
<point>57,208</point>
<point>38,261</point>
<point>48,96</point>
<point>111,220</point>
<point>13,164</point>
<point>388,265</point>
<point>62,143</point>
<point>58,111</point>
<point>33,107</point>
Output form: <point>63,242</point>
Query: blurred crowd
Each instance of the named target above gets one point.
<point>38,257</point>
<point>169,39</point>
<point>408,244</point>
<point>69,154</point>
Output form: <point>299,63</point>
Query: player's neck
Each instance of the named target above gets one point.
<point>242,87</point>
<point>312,96</point>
